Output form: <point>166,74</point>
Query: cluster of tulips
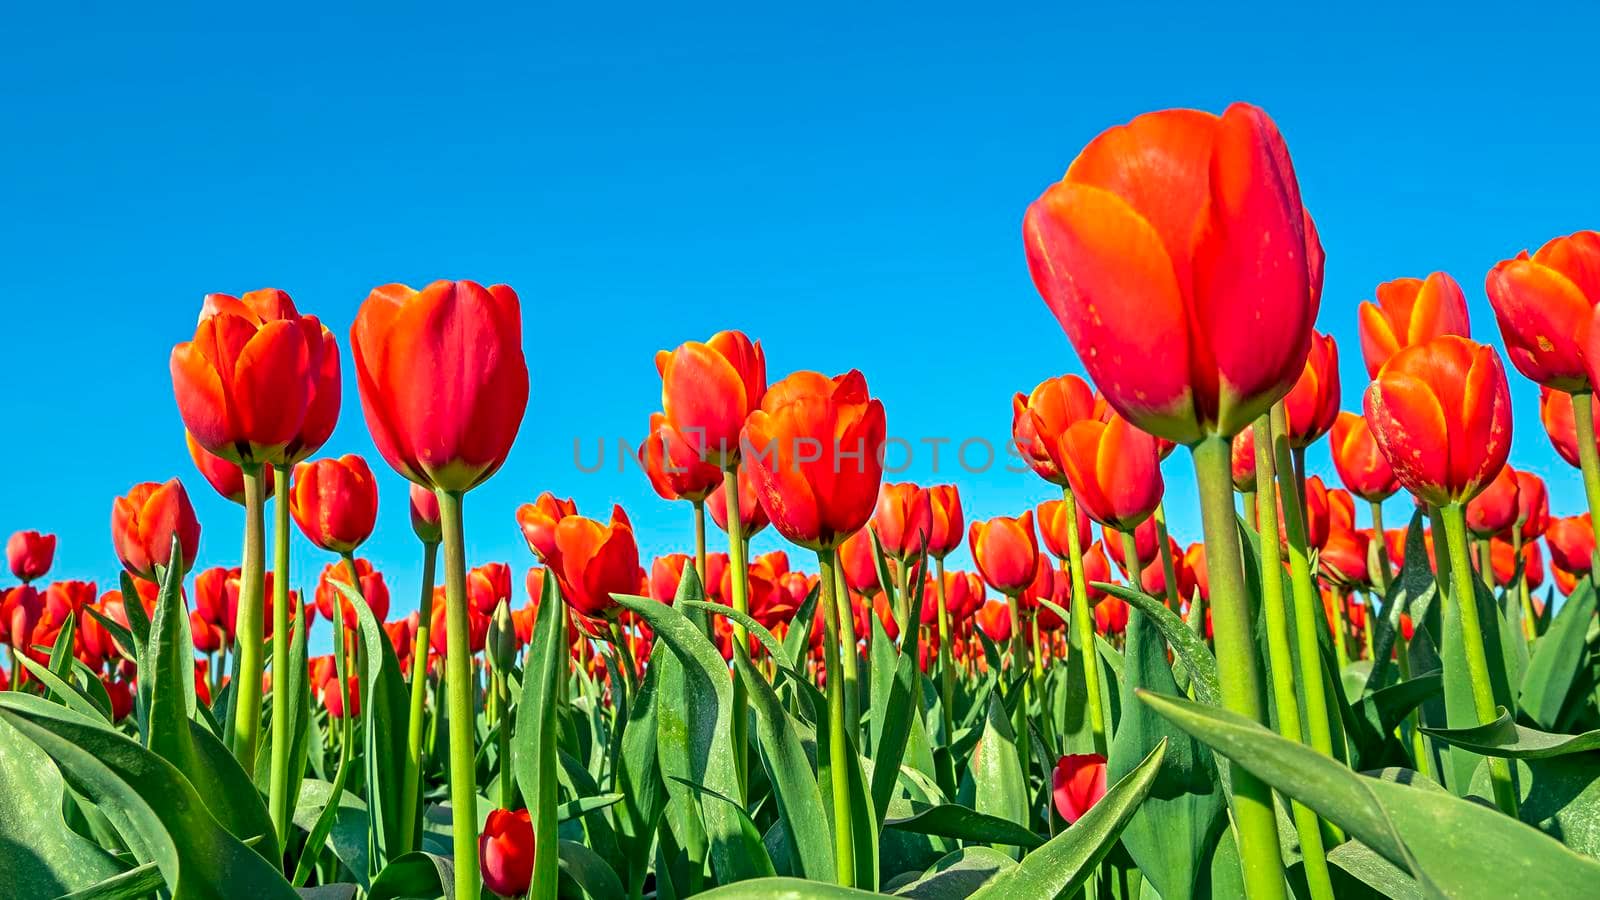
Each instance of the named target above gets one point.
<point>1297,704</point>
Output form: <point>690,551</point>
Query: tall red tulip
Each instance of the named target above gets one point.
<point>539,520</point>
<point>506,850</point>
<point>1039,419</point>
<point>1411,311</point>
<point>30,554</point>
<point>1114,471</point>
<point>860,569</point>
<point>948,527</point>
<point>1361,466</point>
<point>1313,404</point>
<point>374,590</point>
<point>1006,552</point>
<point>225,477</point>
<point>1544,304</point>
<point>708,390</point>
<point>143,523</point>
<point>1533,505</point>
<point>1053,527</point>
<point>903,519</point>
<point>1077,783</point>
<point>596,561</point>
<point>335,502</point>
<point>487,585</point>
<point>1571,541</point>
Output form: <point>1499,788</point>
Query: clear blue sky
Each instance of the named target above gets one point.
<point>845,184</point>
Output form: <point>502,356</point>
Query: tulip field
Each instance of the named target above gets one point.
<point>1296,699</point>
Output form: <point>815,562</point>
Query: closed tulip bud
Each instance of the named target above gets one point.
<point>1313,405</point>
<point>225,477</point>
<point>665,573</point>
<point>1243,460</point>
<point>1441,414</point>
<point>1039,419</point>
<point>1410,311</point>
<point>860,569</point>
<point>1077,784</point>
<point>335,502</point>
<point>1053,528</point>
<point>752,517</point>
<point>674,466</point>
<point>1555,413</point>
<point>21,608</point>
<point>443,381</point>
<point>1114,471</point>
<point>259,382</point>
<point>501,641</point>
<point>596,561</point>
<point>817,446</point>
<point>488,585</point>
<point>1544,304</point>
<point>1361,466</point>
<point>425,515</point>
<point>1179,260</point>
<point>949,528</point>
<point>505,852</point>
<point>1006,552</point>
<point>1496,507</point>
<point>144,522</point>
<point>1344,557</point>
<point>1571,541</point>
<point>709,389</point>
<point>30,554</point>
<point>903,520</point>
<point>1533,506</point>
<point>539,520</point>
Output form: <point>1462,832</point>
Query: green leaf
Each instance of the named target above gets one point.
<point>385,717</point>
<point>794,785</point>
<point>643,795</point>
<point>962,823</point>
<point>1374,717</point>
<point>784,889</point>
<point>1065,862</point>
<point>588,871</point>
<point>138,882</point>
<point>535,755</point>
<point>676,751</point>
<point>415,874</point>
<point>346,832</point>
<point>957,875</point>
<point>1411,592</point>
<point>41,856</point>
<point>1187,645</point>
<point>1504,737</point>
<point>1558,795</point>
<point>1558,657</point>
<point>996,771</point>
<point>61,690</point>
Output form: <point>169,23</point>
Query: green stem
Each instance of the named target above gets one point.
<point>459,683</point>
<point>741,643</point>
<point>947,679</point>
<point>252,597</point>
<point>700,555</point>
<point>851,654</point>
<point>1254,822</point>
<point>1167,569</point>
<point>1250,504</point>
<point>1529,626</point>
<point>1020,665</point>
<point>419,695</point>
<point>1384,573</point>
<point>1341,627</point>
<point>1280,656</point>
<point>278,800</point>
<point>1082,625</point>
<point>1485,565</point>
<point>1588,461</point>
<point>844,849</point>
<point>1455,529</point>
<point>508,790</point>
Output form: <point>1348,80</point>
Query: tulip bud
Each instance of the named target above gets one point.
<point>709,389</point>
<point>506,852</point>
<point>1495,509</point>
<point>335,502</point>
<point>425,515</point>
<point>30,553</point>
<point>1114,470</point>
<point>1006,552</point>
<point>501,642</point>
<point>944,500</point>
<point>1313,404</point>
<point>1077,784</point>
<point>1039,419</point>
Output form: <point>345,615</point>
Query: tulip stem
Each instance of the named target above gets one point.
<point>1341,628</point>
<point>252,597</point>
<point>851,657</point>
<point>741,643</point>
<point>1382,576</point>
<point>1254,821</point>
<point>419,693</point>
<point>1280,656</point>
<point>1588,461</point>
<point>700,555</point>
<point>1529,626</point>
<point>1083,625</point>
<point>459,684</point>
<point>844,848</point>
<point>1021,666</point>
<point>1167,569</point>
<point>947,682</point>
<point>278,781</point>
<point>1455,530</point>
<point>1249,498</point>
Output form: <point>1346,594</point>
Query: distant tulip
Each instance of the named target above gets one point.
<point>963,595</point>
<point>1496,507</point>
<point>488,585</point>
<point>1039,419</point>
<point>994,617</point>
<point>1441,415</point>
<point>1571,541</point>
<point>444,385</point>
<point>21,608</point>
<point>259,382</point>
<point>1053,527</point>
<point>1533,505</point>
<point>1411,311</point>
<point>1111,615</point>
<point>1555,413</point>
<point>143,523</point>
<point>30,554</point>
<point>1114,471</point>
<point>1077,784</point>
<point>206,636</point>
<point>1344,557</point>
<point>1544,304</point>
<point>1005,551</point>
<point>1315,511</point>
<point>425,515</point>
<point>1195,559</point>
<point>674,466</point>
<point>506,851</point>
<point>665,573</point>
<point>1361,466</point>
<point>949,529</point>
<point>1243,460</point>
<point>333,701</point>
<point>817,456</point>
<point>709,389</point>
<point>374,590</point>
<point>860,569</point>
<point>1313,405</point>
<point>1179,260</point>
<point>903,519</point>
<point>752,517</point>
<point>335,502</point>
<point>1144,540</point>
<point>596,561</point>
<point>1503,560</point>
<point>539,520</point>
<point>64,598</point>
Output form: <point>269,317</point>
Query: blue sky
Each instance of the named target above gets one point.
<point>845,184</point>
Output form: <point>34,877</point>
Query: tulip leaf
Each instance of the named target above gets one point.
<point>786,889</point>
<point>138,882</point>
<point>1558,657</point>
<point>385,714</point>
<point>415,874</point>
<point>1374,717</point>
<point>1187,645</point>
<point>535,757</point>
<point>588,871</point>
<point>1001,790</point>
<point>1504,737</point>
<point>41,855</point>
<point>1437,837</point>
<point>676,750</point>
<point>61,690</point>
<point>346,831</point>
<point>1559,795</point>
<point>1411,592</point>
<point>796,639</point>
<point>1065,862</point>
<point>958,874</point>
<point>951,820</point>
<point>903,709</point>
<point>138,620</point>
<point>198,858</point>
<point>639,786</point>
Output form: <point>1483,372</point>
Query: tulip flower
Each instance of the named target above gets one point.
<point>425,515</point>
<point>1077,784</point>
<point>1572,544</point>
<point>369,584</point>
<point>752,517</point>
<point>1111,615</point>
<point>21,608</point>
<point>855,559</point>
<point>539,520</point>
<point>1114,471</point>
<point>1504,559</point>
<point>1556,413</point>
<point>1039,419</point>
<point>1145,542</point>
<point>1410,311</point>
<point>709,389</point>
<point>1053,527</point>
<point>665,573</point>
<point>143,524</point>
<point>995,620</point>
<point>1544,304</point>
<point>674,466</point>
<point>29,554</point>
<point>225,477</point>
<point>1005,551</point>
<point>1242,461</point>
<point>596,561</point>
<point>1361,466</point>
<point>1496,507</point>
<point>903,520</point>
<point>506,851</point>
<point>1344,558</point>
<point>333,700</point>
<point>1313,404</point>
<point>948,528</point>
<point>335,502</point>
<point>1533,506</point>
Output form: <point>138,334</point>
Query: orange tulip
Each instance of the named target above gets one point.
<point>903,520</point>
<point>1356,458</point>
<point>1544,305</point>
<point>1243,460</point>
<point>1571,541</point>
<point>1144,541</point>
<point>1441,415</point>
<point>1114,471</point>
<point>1039,419</point>
<point>674,466</point>
<point>259,382</point>
<point>595,561</point>
<point>1495,509</point>
<point>1503,560</point>
<point>1410,311</point>
<point>752,518</point>
<point>539,520</point>
<point>425,515</point>
<point>1111,615</point>
<point>373,589</point>
<point>335,502</point>
<point>665,573</point>
<point>963,595</point>
<point>487,585</point>
<point>708,390</point>
<point>1313,405</point>
<point>816,448</point>
<point>1179,260</point>
<point>225,477</point>
<point>1555,413</point>
<point>1053,528</point>
<point>860,569</point>
<point>143,523</point>
<point>948,527</point>
<point>1344,557</point>
<point>994,618</point>
<point>30,554</point>
<point>443,382</point>
<point>1533,505</point>
<point>1006,552</point>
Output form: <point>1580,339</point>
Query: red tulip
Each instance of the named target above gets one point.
<point>1178,259</point>
<point>425,515</point>
<point>64,598</point>
<point>1571,541</point>
<point>665,573</point>
<point>1077,784</point>
<point>708,390</point>
<point>487,585</point>
<point>1533,505</point>
<point>335,502</point>
<point>1144,540</point>
<point>860,569</point>
<point>1344,557</point>
<point>443,381</point>
<point>1111,615</point>
<point>1053,528</point>
<point>30,554</point>
<point>333,701</point>
<point>903,520</point>
<point>1195,559</point>
<point>505,850</point>
<point>1495,509</point>
<point>1555,413</point>
<point>1315,509</point>
<point>817,456</point>
<point>944,501</point>
<point>539,520</point>
<point>1243,460</point>
<point>1006,552</point>
<point>477,626</point>
<point>143,523</point>
<point>1410,311</point>
<point>994,617</point>
<point>1441,414</point>
<point>206,636</point>
<point>225,477</point>
<point>963,593</point>
<point>21,608</point>
<point>1114,471</point>
<point>1313,405</point>
<point>1544,304</point>
<point>752,518</point>
<point>1039,419</point>
<point>1503,561</point>
<point>373,590</point>
<point>674,466</point>
<point>596,561</point>
<point>1361,466</point>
